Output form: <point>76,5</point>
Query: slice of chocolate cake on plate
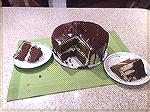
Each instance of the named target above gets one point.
<point>129,70</point>
<point>28,52</point>
<point>23,51</point>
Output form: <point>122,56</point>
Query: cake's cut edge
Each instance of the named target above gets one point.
<point>23,51</point>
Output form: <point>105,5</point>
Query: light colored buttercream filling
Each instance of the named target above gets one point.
<point>28,54</point>
<point>74,47</point>
<point>79,50</point>
<point>127,67</point>
<point>127,72</point>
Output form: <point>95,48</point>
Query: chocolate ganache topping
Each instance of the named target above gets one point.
<point>85,40</point>
<point>93,34</point>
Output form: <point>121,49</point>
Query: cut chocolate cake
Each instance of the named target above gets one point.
<point>130,69</point>
<point>29,53</point>
<point>85,40</point>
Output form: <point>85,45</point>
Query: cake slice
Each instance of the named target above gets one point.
<point>28,52</point>
<point>130,69</point>
<point>34,54</point>
<point>23,51</point>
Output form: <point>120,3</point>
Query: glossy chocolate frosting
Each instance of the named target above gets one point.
<point>93,34</point>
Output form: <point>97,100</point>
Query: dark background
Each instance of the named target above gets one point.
<point>109,3</point>
<point>82,3</point>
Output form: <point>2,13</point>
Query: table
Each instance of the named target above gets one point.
<point>25,23</point>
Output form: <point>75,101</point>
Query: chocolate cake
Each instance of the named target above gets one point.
<point>23,50</point>
<point>85,40</point>
<point>34,54</point>
<point>130,69</point>
<point>27,52</point>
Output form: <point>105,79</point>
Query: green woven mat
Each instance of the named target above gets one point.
<point>53,78</point>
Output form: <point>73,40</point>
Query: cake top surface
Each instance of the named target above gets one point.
<point>93,34</point>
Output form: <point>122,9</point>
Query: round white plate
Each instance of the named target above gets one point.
<point>73,62</point>
<point>121,56</point>
<point>47,52</point>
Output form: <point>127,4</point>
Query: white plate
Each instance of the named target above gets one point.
<point>73,62</point>
<point>121,56</point>
<point>47,52</point>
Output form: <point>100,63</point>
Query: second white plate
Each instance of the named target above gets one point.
<point>116,58</point>
<point>47,53</point>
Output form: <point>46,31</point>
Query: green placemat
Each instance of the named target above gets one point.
<point>53,78</point>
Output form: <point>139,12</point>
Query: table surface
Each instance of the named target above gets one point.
<point>25,23</point>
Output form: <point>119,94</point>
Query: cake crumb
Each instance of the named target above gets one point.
<point>69,60</point>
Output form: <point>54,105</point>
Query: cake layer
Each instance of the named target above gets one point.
<point>67,54</point>
<point>66,45</point>
<point>74,41</point>
<point>74,48</point>
<point>74,45</point>
<point>76,53</point>
<point>83,47</point>
<point>82,59</point>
